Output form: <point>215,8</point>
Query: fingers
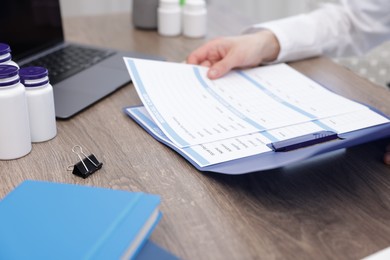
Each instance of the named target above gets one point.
<point>213,55</point>
<point>224,54</point>
<point>229,60</point>
<point>193,58</point>
<point>221,67</point>
<point>205,63</point>
<point>198,56</point>
<point>201,54</point>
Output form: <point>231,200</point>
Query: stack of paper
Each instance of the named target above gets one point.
<point>215,121</point>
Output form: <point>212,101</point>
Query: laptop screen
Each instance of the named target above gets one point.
<point>30,26</point>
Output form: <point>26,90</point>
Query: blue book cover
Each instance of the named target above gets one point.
<point>152,251</point>
<point>43,220</point>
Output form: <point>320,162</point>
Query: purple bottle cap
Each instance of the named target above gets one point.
<point>33,73</point>
<point>7,71</point>
<point>4,48</point>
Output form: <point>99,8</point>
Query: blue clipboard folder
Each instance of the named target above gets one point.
<point>269,160</point>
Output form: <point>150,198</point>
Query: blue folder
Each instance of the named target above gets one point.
<point>272,160</point>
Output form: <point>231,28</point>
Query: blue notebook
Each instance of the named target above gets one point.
<point>43,220</point>
<point>151,251</point>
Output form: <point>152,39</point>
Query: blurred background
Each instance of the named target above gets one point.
<point>374,66</point>
<point>262,10</point>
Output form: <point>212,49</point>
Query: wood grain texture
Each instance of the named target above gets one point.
<point>333,207</point>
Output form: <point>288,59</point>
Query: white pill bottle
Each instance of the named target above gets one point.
<point>169,18</point>
<point>15,139</point>
<point>195,19</point>
<point>5,55</point>
<point>40,102</point>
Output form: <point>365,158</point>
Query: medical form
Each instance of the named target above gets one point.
<point>238,115</point>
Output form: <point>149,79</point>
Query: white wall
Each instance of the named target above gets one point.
<point>91,7</point>
<point>265,10</point>
<point>262,10</point>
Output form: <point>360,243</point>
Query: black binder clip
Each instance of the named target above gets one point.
<point>86,166</point>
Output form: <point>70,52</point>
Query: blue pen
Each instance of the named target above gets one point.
<point>303,141</point>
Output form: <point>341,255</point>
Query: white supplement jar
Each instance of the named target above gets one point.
<point>15,139</point>
<point>169,18</point>
<point>5,55</point>
<point>40,103</point>
<point>194,18</point>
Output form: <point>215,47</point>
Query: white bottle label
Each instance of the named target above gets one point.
<point>15,140</point>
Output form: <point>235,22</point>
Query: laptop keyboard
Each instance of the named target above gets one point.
<point>69,60</point>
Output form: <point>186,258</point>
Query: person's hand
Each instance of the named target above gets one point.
<point>224,54</point>
<point>386,157</point>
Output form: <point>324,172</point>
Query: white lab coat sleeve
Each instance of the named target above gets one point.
<point>349,28</point>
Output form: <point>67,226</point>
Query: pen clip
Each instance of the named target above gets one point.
<point>303,141</point>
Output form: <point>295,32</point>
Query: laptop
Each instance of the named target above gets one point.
<point>80,74</point>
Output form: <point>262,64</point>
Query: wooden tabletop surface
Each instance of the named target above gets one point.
<point>333,207</point>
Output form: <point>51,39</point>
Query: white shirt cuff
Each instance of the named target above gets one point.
<point>296,39</point>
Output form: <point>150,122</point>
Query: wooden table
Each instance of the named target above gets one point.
<point>334,208</point>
